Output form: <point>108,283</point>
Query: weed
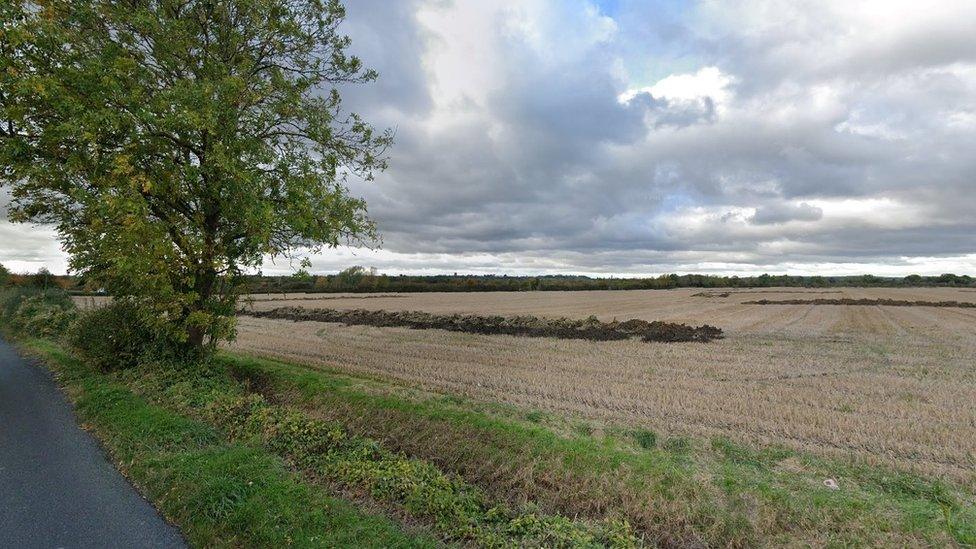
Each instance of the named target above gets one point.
<point>645,438</point>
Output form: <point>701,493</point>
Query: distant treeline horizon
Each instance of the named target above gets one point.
<point>363,280</point>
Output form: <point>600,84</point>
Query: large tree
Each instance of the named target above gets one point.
<point>176,143</point>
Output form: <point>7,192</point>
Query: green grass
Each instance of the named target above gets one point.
<point>219,494</point>
<point>238,469</point>
<point>674,489</point>
<point>210,437</point>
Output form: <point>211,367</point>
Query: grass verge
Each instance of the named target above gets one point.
<point>674,492</point>
<point>181,429</point>
<point>219,493</point>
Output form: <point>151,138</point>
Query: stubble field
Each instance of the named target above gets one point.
<point>878,384</point>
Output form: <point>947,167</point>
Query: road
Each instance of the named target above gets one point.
<point>57,488</point>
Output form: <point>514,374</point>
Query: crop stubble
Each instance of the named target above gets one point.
<point>891,385</point>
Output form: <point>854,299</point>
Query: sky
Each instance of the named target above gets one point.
<point>623,137</point>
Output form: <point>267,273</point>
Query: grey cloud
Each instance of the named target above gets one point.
<point>388,38</point>
<point>678,114</point>
<point>782,213</point>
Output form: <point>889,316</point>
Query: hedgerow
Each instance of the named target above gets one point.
<point>35,311</point>
<point>112,336</point>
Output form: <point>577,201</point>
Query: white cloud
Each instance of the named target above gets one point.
<point>708,83</point>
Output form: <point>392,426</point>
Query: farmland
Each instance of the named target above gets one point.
<point>874,384</point>
<point>803,423</point>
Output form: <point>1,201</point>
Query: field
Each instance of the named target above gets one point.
<point>873,384</point>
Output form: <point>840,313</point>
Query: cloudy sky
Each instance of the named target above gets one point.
<point>642,137</point>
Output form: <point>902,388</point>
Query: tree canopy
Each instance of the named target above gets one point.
<point>176,143</point>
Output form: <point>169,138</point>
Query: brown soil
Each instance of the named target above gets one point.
<point>317,297</point>
<point>527,326</point>
<point>735,292</point>
<point>849,301</point>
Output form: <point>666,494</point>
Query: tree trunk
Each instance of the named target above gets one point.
<point>196,335</point>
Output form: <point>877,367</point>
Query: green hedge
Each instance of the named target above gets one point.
<point>111,337</point>
<point>37,312</point>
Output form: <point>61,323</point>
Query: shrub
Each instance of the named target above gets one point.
<point>35,311</point>
<point>112,337</point>
<point>43,279</point>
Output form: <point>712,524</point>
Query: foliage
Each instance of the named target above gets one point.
<point>175,144</point>
<point>112,336</point>
<point>4,276</point>
<point>681,492</point>
<point>35,311</point>
<point>458,509</point>
<point>43,279</point>
<point>325,450</point>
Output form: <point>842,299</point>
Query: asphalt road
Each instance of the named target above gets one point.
<point>57,488</point>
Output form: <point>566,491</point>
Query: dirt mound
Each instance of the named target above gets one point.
<point>850,301</point>
<point>316,297</point>
<point>729,293</point>
<point>528,326</point>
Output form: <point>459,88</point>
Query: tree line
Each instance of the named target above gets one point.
<point>361,280</point>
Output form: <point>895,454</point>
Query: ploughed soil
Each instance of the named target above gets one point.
<point>736,292</point>
<point>850,301</point>
<point>317,297</point>
<point>527,326</point>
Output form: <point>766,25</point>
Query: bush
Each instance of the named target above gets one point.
<point>43,279</point>
<point>112,337</point>
<point>37,312</point>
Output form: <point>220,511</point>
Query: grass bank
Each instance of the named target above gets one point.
<point>676,492</point>
<point>231,467</point>
<point>219,493</point>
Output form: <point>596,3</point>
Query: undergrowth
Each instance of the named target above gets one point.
<point>674,490</point>
<point>453,508</point>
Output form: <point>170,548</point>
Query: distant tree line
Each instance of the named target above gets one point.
<point>362,280</point>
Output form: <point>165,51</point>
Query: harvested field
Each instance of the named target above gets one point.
<point>525,326</point>
<point>880,302</point>
<point>891,385</point>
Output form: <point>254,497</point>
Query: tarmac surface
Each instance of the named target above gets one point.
<point>57,487</point>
